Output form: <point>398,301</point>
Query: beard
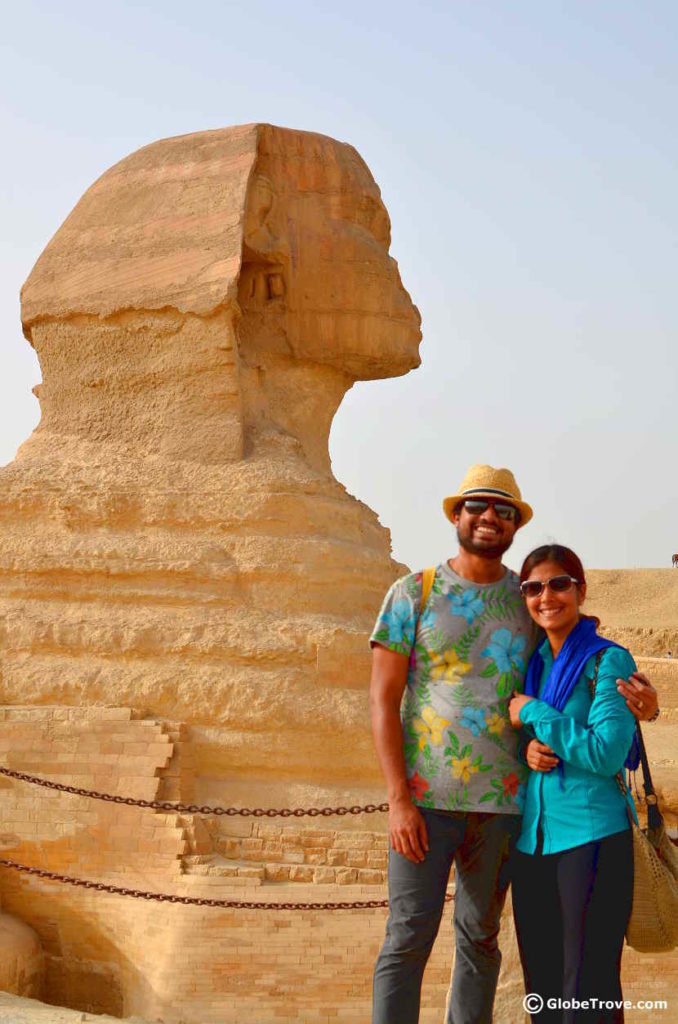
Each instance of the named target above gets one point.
<point>485,547</point>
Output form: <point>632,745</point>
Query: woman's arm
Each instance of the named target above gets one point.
<point>602,744</point>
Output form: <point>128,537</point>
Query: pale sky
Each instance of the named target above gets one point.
<point>526,152</point>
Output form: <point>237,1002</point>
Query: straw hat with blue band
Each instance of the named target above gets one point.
<point>487,482</point>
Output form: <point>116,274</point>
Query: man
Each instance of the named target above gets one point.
<point>441,679</point>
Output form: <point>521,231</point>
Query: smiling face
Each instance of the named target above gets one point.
<point>556,613</point>
<point>486,534</point>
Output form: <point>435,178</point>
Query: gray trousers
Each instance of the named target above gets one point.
<point>479,845</point>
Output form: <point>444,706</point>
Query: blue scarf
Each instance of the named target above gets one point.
<point>580,644</point>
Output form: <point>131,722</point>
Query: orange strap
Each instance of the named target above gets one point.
<point>427,578</point>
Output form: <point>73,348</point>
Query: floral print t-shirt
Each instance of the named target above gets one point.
<point>471,649</point>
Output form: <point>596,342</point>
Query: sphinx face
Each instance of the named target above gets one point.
<point>317,282</point>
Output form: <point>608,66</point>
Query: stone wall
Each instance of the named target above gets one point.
<point>110,954</point>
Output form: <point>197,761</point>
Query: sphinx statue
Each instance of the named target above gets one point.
<point>173,538</point>
<point>185,589</point>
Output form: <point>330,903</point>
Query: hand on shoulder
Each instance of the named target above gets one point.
<point>640,696</point>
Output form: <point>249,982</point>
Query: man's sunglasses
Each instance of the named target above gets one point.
<point>476,507</point>
<point>558,584</point>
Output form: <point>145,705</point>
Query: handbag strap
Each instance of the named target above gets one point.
<point>654,817</point>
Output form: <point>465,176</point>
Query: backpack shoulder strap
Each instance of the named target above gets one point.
<point>427,578</point>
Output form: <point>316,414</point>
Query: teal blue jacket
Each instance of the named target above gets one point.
<point>592,740</point>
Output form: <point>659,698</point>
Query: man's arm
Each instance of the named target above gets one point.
<point>540,757</point>
<point>407,829</point>
<point>640,696</point>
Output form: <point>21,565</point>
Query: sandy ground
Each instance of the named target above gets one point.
<point>636,598</point>
<point>14,1010</point>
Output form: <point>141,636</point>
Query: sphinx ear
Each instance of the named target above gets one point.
<point>262,231</point>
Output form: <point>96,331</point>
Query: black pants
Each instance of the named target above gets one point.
<point>571,910</point>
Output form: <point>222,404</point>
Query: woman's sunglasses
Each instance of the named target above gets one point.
<point>558,584</point>
<point>476,507</point>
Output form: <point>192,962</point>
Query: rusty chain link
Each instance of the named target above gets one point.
<point>195,901</point>
<point>165,805</point>
<point>169,805</point>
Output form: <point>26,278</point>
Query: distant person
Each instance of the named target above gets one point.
<point>573,865</point>
<point>442,675</point>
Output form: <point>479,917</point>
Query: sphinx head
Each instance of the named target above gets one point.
<point>240,277</point>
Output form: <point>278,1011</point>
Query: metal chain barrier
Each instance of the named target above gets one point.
<point>195,901</point>
<point>168,805</point>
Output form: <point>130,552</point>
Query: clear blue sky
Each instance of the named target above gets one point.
<point>526,152</point>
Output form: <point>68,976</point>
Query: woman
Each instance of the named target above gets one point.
<point>573,872</point>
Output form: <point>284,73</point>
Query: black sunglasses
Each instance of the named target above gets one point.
<point>476,507</point>
<point>558,584</point>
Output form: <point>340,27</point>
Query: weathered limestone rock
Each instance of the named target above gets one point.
<point>173,538</point>
<point>637,608</point>
<point>22,963</point>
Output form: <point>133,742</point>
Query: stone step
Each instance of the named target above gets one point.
<point>376,860</point>
<point>323,875</point>
<point>217,866</point>
<point>196,859</point>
